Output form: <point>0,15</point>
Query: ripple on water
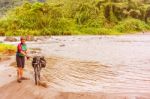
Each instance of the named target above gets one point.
<point>72,75</point>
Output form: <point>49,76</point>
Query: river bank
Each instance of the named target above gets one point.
<point>88,67</point>
<point>10,89</point>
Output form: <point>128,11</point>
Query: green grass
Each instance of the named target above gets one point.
<point>6,48</point>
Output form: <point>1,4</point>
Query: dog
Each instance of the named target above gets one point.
<point>38,63</point>
<point>39,60</point>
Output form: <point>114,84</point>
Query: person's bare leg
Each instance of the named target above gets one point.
<point>22,77</point>
<point>19,75</point>
<point>21,72</point>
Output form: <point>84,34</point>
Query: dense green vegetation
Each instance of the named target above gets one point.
<point>71,17</point>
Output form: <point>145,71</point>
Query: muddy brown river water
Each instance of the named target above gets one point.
<point>97,63</point>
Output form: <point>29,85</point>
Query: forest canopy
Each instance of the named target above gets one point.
<point>74,17</point>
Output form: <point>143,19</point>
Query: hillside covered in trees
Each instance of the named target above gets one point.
<point>73,17</point>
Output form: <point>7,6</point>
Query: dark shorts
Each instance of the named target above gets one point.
<point>20,61</point>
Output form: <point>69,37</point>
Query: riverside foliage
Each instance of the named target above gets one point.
<point>5,48</point>
<point>74,17</point>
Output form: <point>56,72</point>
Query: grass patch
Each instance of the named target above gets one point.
<point>7,49</point>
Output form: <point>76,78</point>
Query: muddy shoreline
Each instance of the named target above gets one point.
<point>91,67</point>
<point>27,89</point>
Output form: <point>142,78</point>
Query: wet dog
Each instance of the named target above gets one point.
<point>39,60</point>
<point>38,63</point>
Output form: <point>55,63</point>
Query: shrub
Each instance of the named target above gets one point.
<point>131,25</point>
<point>6,48</point>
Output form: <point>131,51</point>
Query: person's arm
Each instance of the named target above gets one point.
<point>24,53</point>
<point>27,51</point>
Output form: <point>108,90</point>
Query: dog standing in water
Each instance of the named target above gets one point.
<point>38,63</point>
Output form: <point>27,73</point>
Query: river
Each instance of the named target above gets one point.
<point>97,63</point>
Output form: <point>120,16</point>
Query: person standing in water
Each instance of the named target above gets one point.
<point>20,59</point>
